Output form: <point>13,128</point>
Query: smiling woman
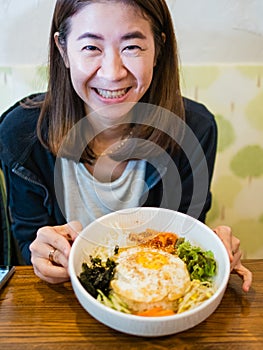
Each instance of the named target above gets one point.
<point>112,131</point>
<point>109,67</point>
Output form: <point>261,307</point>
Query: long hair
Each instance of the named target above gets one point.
<point>62,108</point>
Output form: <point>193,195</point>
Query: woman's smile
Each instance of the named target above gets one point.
<point>112,94</point>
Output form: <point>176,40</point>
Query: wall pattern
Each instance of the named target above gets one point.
<point>234,93</point>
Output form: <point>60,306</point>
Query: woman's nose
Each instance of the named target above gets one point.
<point>112,67</point>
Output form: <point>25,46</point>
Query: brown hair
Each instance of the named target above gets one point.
<point>62,108</point>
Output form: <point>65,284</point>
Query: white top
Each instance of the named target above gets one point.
<point>86,199</point>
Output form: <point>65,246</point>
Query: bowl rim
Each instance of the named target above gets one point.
<point>76,283</point>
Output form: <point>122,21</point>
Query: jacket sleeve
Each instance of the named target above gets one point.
<point>29,209</point>
<point>31,198</point>
<point>29,178</point>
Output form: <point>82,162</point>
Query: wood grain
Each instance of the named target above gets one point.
<point>36,315</point>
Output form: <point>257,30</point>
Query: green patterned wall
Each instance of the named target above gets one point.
<point>235,95</point>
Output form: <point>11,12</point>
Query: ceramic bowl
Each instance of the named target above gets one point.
<point>112,229</point>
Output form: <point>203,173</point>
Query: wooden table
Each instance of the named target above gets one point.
<point>36,315</point>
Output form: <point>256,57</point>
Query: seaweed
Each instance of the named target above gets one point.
<point>97,275</point>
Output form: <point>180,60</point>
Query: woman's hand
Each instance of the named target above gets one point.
<point>232,245</point>
<point>50,251</point>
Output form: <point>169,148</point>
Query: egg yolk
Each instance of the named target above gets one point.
<point>151,260</point>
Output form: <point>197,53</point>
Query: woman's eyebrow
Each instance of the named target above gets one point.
<point>90,36</point>
<point>131,35</point>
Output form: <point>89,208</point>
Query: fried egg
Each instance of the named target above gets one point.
<point>149,276</point>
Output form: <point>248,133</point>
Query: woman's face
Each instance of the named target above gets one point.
<point>110,54</point>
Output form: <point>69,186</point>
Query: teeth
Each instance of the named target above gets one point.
<point>111,94</point>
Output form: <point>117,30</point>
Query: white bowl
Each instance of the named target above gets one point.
<point>110,230</point>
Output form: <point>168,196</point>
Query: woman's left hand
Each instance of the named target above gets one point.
<point>232,245</point>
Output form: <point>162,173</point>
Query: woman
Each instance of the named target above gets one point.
<point>112,131</point>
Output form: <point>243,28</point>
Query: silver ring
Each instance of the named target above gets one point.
<point>51,255</point>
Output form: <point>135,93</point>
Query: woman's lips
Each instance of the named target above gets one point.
<point>112,94</point>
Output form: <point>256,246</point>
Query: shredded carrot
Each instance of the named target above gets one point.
<point>156,311</point>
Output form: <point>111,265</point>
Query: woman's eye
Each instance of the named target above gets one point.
<point>90,48</point>
<point>132,48</point>
<point>91,51</point>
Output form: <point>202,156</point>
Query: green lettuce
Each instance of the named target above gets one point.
<point>201,264</point>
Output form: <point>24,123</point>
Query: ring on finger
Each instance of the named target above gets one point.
<point>51,255</point>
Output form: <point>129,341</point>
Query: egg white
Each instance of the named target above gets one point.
<point>150,277</point>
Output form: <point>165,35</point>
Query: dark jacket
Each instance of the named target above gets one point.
<point>181,184</point>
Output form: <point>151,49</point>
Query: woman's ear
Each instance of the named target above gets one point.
<point>61,49</point>
<point>163,37</point>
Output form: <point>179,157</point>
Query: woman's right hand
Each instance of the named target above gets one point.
<point>53,241</point>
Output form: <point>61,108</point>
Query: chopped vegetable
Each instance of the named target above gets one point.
<point>156,311</point>
<point>201,264</point>
<point>97,276</point>
<point>113,301</point>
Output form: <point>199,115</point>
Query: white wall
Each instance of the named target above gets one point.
<point>209,31</point>
<point>24,31</point>
<point>219,31</point>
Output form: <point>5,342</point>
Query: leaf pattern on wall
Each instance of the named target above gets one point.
<point>254,112</point>
<point>226,133</point>
<point>198,77</point>
<point>248,162</point>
